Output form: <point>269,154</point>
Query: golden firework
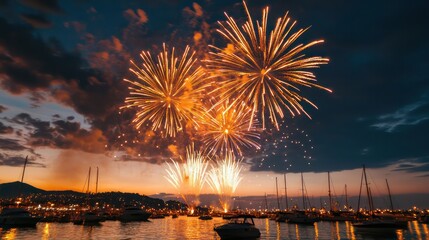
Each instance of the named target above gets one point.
<point>224,178</point>
<point>168,91</point>
<point>190,176</point>
<point>265,71</point>
<point>227,129</point>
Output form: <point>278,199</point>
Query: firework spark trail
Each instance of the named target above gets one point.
<point>264,70</point>
<point>189,177</point>
<point>224,178</point>
<point>168,92</point>
<point>226,129</point>
<point>286,149</point>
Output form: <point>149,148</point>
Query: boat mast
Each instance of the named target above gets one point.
<point>89,179</point>
<point>371,199</point>
<point>287,205</point>
<point>266,202</point>
<point>390,196</point>
<point>360,190</point>
<point>23,171</point>
<point>22,180</point>
<point>302,190</point>
<point>347,202</point>
<point>367,190</point>
<point>278,201</point>
<point>329,191</point>
<point>96,183</point>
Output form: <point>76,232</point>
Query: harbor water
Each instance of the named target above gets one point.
<point>185,227</point>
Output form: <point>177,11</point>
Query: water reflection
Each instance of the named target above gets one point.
<point>400,234</point>
<point>267,226</point>
<point>10,233</point>
<point>425,229</point>
<point>417,229</point>
<point>350,231</point>
<point>316,231</point>
<point>192,228</point>
<point>337,230</point>
<point>46,231</point>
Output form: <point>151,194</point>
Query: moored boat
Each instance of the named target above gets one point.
<point>301,217</point>
<point>157,216</point>
<point>134,214</point>
<point>205,217</point>
<point>379,223</point>
<point>17,217</point>
<point>238,227</point>
<point>87,218</point>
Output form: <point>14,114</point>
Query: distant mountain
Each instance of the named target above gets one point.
<point>8,191</point>
<point>16,189</point>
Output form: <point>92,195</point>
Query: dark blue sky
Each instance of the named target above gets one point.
<point>75,53</point>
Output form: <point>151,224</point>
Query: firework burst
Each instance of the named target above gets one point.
<point>227,129</point>
<point>224,178</point>
<point>265,71</point>
<point>190,176</point>
<point>168,91</point>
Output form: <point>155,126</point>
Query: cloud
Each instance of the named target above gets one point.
<point>11,145</point>
<point>5,129</point>
<point>412,165</point>
<point>76,25</point>
<point>36,20</point>
<point>138,17</point>
<point>49,6</point>
<point>198,9</point>
<point>2,108</point>
<point>96,92</point>
<point>153,159</point>
<point>411,114</point>
<point>17,161</point>
<point>35,65</point>
<point>117,44</point>
<point>62,134</point>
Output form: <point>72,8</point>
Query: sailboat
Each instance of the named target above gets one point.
<point>283,216</point>
<point>399,219</point>
<point>89,217</point>
<point>372,221</point>
<point>334,214</point>
<point>302,216</point>
<point>18,216</point>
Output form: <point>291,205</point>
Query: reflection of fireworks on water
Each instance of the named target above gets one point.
<point>280,151</point>
<point>227,129</point>
<point>169,91</point>
<point>188,177</point>
<point>265,70</point>
<point>224,179</point>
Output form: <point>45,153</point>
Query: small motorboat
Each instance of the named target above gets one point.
<point>205,217</point>
<point>157,216</point>
<point>87,218</point>
<point>374,223</point>
<point>134,214</point>
<point>301,217</point>
<point>238,227</point>
<point>17,217</point>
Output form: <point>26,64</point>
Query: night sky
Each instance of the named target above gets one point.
<point>62,65</point>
